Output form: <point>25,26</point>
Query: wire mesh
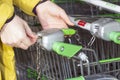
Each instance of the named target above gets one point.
<point>39,64</point>
<point>50,66</point>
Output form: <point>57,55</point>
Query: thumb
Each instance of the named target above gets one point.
<point>64,16</point>
<point>32,36</point>
<point>29,32</point>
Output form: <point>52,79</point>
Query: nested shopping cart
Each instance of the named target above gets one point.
<point>37,63</point>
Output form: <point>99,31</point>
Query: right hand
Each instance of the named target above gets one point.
<point>51,15</point>
<point>17,33</point>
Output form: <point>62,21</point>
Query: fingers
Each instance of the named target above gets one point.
<point>25,43</point>
<point>33,37</point>
<point>29,31</point>
<point>22,46</point>
<point>64,16</point>
<point>21,43</point>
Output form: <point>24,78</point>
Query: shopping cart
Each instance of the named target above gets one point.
<point>39,64</point>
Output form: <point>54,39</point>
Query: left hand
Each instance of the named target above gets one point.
<point>17,33</point>
<point>52,16</point>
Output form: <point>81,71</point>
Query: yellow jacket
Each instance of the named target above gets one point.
<point>7,62</point>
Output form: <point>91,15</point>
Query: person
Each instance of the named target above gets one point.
<point>15,32</point>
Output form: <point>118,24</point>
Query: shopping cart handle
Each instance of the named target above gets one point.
<point>65,49</point>
<point>115,37</point>
<point>77,78</point>
<point>94,77</point>
<point>46,38</point>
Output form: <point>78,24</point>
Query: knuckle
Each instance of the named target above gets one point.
<point>21,36</point>
<point>62,10</point>
<point>25,48</point>
<point>25,23</point>
<point>20,39</point>
<point>14,42</point>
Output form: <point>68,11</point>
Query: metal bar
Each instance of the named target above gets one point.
<point>105,5</point>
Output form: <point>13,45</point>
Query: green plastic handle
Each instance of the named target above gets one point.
<point>64,49</point>
<point>69,31</point>
<point>115,37</point>
<point>77,78</point>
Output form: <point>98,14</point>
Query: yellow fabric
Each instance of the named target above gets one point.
<point>6,6</point>
<point>6,12</point>
<point>0,76</point>
<point>26,5</point>
<point>7,62</point>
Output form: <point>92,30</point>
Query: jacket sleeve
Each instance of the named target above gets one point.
<point>7,11</point>
<point>26,6</point>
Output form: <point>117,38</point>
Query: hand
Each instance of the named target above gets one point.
<point>17,34</point>
<point>52,16</point>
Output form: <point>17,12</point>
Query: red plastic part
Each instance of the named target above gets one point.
<point>81,23</point>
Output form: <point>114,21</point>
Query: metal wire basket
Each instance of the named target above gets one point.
<point>39,64</point>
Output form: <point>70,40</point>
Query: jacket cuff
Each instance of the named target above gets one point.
<point>34,9</point>
<point>11,18</point>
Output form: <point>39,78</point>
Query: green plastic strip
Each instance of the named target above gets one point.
<point>115,36</point>
<point>62,1</point>
<point>110,60</point>
<point>111,15</point>
<point>118,20</point>
<point>69,31</point>
<point>64,49</point>
<point>101,61</point>
<point>77,78</point>
<point>112,0</point>
<point>66,1</point>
